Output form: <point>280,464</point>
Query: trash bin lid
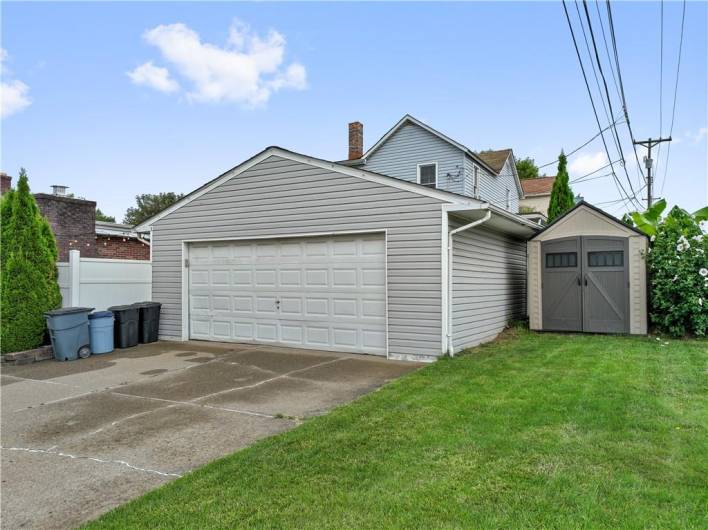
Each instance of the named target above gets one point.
<point>68,311</point>
<point>101,314</point>
<point>116,308</point>
<point>146,304</point>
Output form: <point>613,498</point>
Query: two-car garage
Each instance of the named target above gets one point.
<point>291,250</point>
<point>325,293</point>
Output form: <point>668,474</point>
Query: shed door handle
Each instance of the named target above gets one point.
<point>579,282</point>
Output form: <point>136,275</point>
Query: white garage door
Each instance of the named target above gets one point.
<point>322,293</point>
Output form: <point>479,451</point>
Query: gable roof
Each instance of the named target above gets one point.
<point>538,186</point>
<point>410,119</point>
<point>445,196</point>
<point>495,159</point>
<point>583,204</point>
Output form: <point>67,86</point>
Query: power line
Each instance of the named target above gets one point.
<point>607,93</point>
<point>673,111</point>
<point>613,38</point>
<point>594,73</point>
<point>592,102</point>
<point>661,82</point>
<point>579,148</point>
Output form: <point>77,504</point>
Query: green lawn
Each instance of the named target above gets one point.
<point>534,430</point>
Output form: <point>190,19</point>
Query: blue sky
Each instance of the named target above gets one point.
<point>125,98</point>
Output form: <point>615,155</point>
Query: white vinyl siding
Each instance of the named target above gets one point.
<point>488,284</point>
<point>412,145</point>
<point>280,197</point>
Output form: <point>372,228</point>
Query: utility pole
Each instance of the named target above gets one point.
<point>648,162</point>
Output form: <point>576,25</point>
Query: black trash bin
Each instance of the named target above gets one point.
<point>125,330</point>
<point>149,321</point>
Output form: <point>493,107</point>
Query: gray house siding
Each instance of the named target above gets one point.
<point>411,145</point>
<point>492,188</point>
<point>280,197</point>
<point>488,284</point>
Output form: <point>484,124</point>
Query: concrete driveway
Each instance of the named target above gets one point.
<point>80,438</point>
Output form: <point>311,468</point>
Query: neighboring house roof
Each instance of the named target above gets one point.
<point>538,186</point>
<point>583,204</point>
<point>104,228</point>
<point>442,195</point>
<point>495,159</point>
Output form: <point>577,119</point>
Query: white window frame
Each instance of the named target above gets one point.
<point>418,173</point>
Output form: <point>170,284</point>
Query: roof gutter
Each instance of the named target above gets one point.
<point>487,216</point>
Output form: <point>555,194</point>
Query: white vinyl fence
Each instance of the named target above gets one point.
<point>101,283</point>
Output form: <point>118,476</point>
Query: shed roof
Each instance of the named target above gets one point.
<point>591,208</point>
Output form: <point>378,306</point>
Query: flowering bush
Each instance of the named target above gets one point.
<point>677,264</point>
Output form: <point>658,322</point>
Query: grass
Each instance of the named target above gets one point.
<point>533,430</point>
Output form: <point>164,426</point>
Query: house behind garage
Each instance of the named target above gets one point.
<point>297,251</point>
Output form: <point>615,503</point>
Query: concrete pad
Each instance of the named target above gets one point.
<point>178,438</point>
<point>82,437</point>
<point>288,396</point>
<point>73,418</point>
<point>197,382</point>
<point>277,362</point>
<point>26,393</point>
<point>41,490</point>
<point>360,371</point>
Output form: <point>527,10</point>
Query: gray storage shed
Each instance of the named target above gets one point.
<point>587,272</point>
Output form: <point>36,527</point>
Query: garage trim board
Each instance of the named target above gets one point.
<point>367,328</point>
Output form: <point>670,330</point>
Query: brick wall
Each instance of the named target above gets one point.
<point>116,247</point>
<point>5,183</point>
<point>73,222</point>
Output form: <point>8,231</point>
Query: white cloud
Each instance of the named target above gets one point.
<point>14,94</point>
<point>247,70</point>
<point>153,76</point>
<point>699,135</point>
<point>587,163</point>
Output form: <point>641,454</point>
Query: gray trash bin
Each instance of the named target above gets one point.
<point>69,331</point>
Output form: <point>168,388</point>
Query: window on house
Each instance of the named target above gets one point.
<point>475,182</point>
<point>508,198</point>
<point>428,175</point>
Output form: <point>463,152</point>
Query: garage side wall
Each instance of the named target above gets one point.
<point>488,284</point>
<point>280,197</point>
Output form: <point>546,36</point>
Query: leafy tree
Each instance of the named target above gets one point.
<point>526,168</point>
<point>100,216</point>
<point>28,273</point>
<point>148,205</point>
<point>562,198</point>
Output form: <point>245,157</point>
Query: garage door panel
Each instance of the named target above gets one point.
<point>325,293</point>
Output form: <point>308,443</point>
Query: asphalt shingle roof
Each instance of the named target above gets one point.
<point>538,186</point>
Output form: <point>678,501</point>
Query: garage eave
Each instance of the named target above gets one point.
<point>500,220</point>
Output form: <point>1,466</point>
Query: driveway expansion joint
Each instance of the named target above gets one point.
<point>51,451</point>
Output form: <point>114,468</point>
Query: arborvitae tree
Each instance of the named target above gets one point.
<point>562,198</point>
<point>28,274</point>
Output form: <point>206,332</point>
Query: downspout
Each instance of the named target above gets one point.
<point>450,347</point>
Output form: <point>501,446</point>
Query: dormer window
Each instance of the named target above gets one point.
<point>428,175</point>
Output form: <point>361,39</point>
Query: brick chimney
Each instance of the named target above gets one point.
<point>356,140</point>
<point>5,183</point>
<point>73,222</point>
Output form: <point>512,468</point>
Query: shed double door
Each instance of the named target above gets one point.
<point>585,284</point>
